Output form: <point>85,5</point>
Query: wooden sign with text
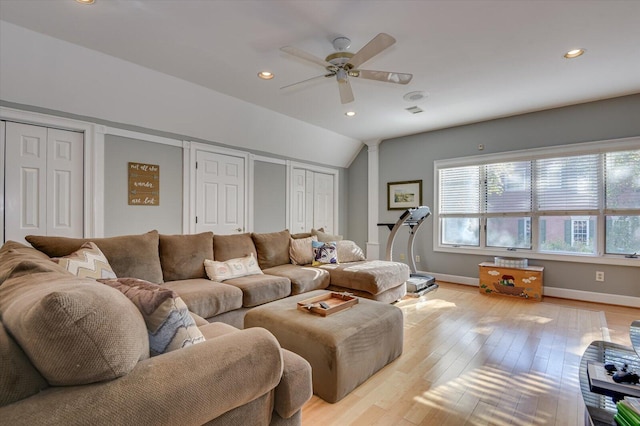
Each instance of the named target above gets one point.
<point>144,184</point>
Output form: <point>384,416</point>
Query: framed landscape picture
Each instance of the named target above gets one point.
<point>404,195</point>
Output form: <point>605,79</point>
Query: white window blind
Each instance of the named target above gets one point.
<point>568,183</point>
<point>508,187</point>
<point>460,190</point>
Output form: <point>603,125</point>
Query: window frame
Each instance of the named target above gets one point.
<point>583,148</point>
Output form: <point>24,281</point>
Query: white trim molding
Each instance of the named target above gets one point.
<point>373,179</point>
<point>93,203</point>
<point>143,136</point>
<point>561,293</point>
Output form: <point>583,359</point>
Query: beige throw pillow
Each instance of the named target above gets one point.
<point>87,262</point>
<point>232,268</point>
<point>348,251</point>
<point>300,250</point>
<point>324,237</point>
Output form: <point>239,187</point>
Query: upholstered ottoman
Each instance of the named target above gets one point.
<point>344,349</point>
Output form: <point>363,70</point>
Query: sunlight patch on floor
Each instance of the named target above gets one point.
<point>500,390</point>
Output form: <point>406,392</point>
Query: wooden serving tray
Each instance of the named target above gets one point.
<point>337,302</point>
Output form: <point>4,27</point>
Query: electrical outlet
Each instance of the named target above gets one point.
<point>600,276</point>
<point>402,256</point>
<point>417,258</point>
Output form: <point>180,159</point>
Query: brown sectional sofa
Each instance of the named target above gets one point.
<point>74,352</point>
<point>182,386</point>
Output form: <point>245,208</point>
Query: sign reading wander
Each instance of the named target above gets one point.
<point>144,184</point>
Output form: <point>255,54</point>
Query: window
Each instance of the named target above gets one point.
<point>579,200</point>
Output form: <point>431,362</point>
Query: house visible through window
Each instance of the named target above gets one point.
<point>546,201</point>
<point>579,231</point>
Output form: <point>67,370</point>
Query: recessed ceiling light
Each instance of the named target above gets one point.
<point>350,113</point>
<point>265,75</point>
<point>574,53</point>
<point>86,1</point>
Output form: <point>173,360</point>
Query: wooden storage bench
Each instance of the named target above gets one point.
<point>526,283</point>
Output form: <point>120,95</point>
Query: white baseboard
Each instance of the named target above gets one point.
<point>564,293</point>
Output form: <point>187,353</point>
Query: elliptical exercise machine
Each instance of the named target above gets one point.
<point>418,284</point>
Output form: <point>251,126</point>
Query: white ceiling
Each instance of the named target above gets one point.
<point>477,60</point>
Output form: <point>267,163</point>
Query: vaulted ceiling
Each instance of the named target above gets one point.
<point>474,60</point>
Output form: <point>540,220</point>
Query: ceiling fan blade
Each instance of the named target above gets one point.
<point>307,80</point>
<point>305,55</point>
<point>371,49</point>
<point>346,94</point>
<point>389,77</point>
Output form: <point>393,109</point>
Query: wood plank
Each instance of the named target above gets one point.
<point>475,360</point>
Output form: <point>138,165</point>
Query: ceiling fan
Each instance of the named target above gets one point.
<point>343,64</point>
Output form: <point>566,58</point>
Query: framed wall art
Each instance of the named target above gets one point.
<point>404,195</point>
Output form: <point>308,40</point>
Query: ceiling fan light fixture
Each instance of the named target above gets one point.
<point>350,113</point>
<point>341,75</point>
<point>265,75</point>
<point>574,53</point>
<point>86,1</point>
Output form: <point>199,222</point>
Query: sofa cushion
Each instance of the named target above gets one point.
<point>324,253</point>
<point>324,236</point>
<point>227,247</point>
<point>259,289</point>
<point>74,330</point>
<point>303,278</point>
<point>129,255</point>
<point>371,276</point>
<point>300,250</point>
<point>348,251</point>
<point>18,377</point>
<point>86,262</point>
<point>295,388</point>
<point>272,248</point>
<point>169,324</point>
<point>207,298</point>
<point>232,268</point>
<point>17,259</point>
<point>182,256</point>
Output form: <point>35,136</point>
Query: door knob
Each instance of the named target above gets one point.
<point>239,229</point>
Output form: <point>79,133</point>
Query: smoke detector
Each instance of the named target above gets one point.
<point>415,96</point>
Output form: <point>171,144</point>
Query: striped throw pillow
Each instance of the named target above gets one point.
<point>169,324</point>
<point>87,262</point>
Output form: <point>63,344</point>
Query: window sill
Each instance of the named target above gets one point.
<point>599,260</point>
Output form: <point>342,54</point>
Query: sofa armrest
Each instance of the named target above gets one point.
<point>187,386</point>
<point>295,387</point>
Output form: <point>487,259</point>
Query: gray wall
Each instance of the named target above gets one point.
<point>119,217</point>
<point>412,157</point>
<point>269,197</point>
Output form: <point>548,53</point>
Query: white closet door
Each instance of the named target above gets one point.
<point>64,183</point>
<point>220,193</point>
<point>323,202</point>
<point>298,194</point>
<point>43,182</point>
<point>25,181</point>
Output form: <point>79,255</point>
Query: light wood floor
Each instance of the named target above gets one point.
<point>471,359</point>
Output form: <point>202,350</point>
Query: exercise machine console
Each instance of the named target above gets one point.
<point>418,284</point>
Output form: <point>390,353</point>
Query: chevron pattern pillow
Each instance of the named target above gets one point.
<point>87,262</point>
<point>169,323</point>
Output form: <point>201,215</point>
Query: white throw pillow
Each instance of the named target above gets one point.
<point>232,268</point>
